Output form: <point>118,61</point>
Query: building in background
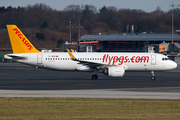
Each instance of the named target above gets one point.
<point>157,43</point>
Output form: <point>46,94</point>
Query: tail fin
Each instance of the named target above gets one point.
<point>19,42</point>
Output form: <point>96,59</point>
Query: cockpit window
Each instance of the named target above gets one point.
<point>166,59</point>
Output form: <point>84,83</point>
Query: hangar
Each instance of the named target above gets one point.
<point>120,42</point>
<point>158,43</point>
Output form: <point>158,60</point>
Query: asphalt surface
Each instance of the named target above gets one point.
<point>17,80</point>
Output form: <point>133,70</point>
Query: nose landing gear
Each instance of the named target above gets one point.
<point>153,77</point>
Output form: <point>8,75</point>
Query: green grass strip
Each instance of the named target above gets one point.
<point>82,108</point>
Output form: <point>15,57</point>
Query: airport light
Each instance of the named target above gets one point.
<point>79,31</point>
<point>172,18</point>
<point>70,30</point>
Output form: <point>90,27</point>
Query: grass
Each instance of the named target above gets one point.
<point>82,108</point>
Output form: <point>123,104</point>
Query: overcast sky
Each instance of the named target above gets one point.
<point>146,5</point>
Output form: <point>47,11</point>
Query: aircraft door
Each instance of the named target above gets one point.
<point>153,59</point>
<point>39,59</point>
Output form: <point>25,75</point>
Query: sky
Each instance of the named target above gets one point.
<point>145,5</point>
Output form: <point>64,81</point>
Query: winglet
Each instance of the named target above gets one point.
<point>71,56</point>
<point>72,50</point>
<point>19,42</point>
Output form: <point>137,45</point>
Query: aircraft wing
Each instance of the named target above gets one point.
<point>87,63</point>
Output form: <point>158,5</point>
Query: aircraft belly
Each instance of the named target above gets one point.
<point>138,67</point>
<point>68,65</point>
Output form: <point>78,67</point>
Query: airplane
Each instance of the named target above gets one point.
<point>112,64</point>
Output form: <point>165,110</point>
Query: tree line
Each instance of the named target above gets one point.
<point>48,27</point>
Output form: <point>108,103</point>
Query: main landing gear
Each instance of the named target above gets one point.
<point>94,77</point>
<point>153,77</point>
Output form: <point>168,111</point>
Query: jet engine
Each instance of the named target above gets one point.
<point>115,71</point>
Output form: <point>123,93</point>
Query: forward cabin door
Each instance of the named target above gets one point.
<point>39,59</point>
<point>153,59</point>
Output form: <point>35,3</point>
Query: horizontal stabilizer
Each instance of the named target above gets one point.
<point>14,56</point>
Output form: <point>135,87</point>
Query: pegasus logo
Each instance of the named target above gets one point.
<point>26,42</point>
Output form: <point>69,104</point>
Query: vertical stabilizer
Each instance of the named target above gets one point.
<point>19,42</point>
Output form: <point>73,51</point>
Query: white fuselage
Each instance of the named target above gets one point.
<point>130,61</point>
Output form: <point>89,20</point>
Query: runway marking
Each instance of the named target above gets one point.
<point>83,84</point>
<point>98,77</point>
<point>47,81</point>
<point>20,79</point>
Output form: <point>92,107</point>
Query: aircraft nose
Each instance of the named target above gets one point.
<point>173,65</point>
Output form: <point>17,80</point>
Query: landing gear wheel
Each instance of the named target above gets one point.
<point>153,78</point>
<point>94,77</point>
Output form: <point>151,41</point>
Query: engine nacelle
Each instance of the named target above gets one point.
<point>116,71</point>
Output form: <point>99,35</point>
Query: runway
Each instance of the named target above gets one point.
<point>17,80</point>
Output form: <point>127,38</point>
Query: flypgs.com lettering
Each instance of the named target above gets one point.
<point>124,59</point>
<point>28,45</point>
